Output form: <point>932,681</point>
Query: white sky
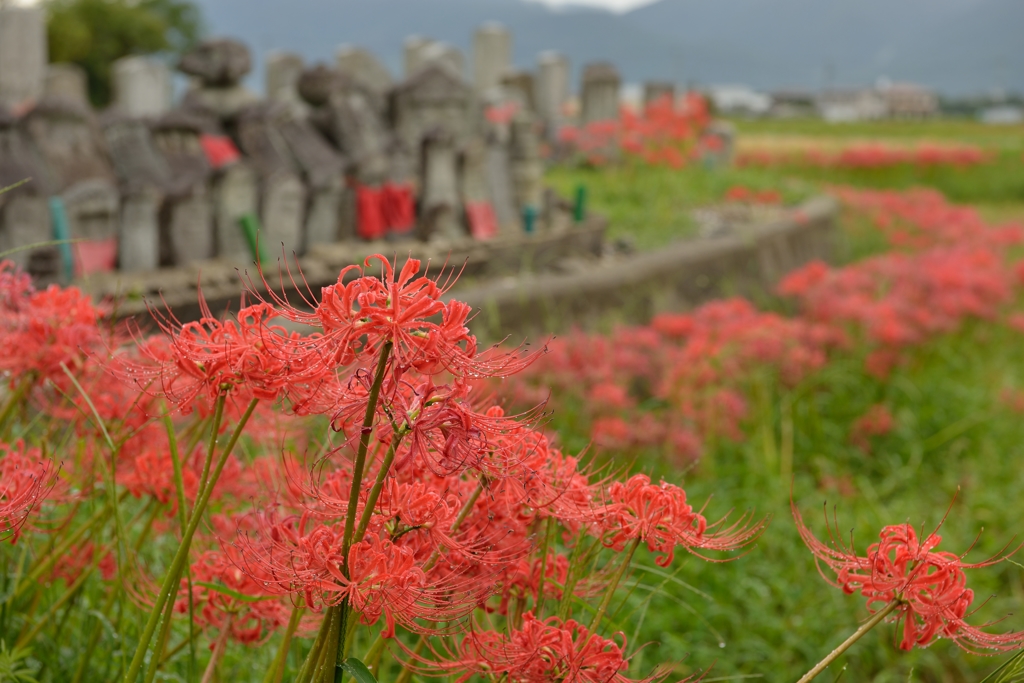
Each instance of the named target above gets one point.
<point>613,5</point>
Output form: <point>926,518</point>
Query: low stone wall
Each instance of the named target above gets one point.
<point>221,283</point>
<point>632,289</point>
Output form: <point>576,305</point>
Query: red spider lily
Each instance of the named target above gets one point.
<point>877,421</point>
<point>542,651</point>
<point>209,358</point>
<point>362,313</point>
<point>25,480</point>
<point>251,621</point>
<point>930,585</point>
<point>49,330</point>
<point>658,515</point>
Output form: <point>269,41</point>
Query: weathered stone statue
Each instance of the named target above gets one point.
<point>282,192</point>
<point>187,216</point>
<point>24,215</point>
<point>218,66</point>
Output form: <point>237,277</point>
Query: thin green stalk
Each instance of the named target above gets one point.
<point>211,449</point>
<point>119,533</point>
<point>378,486</point>
<point>179,486</point>
<point>548,533</point>
<point>857,635</point>
<point>364,445</point>
<point>613,586</point>
<point>325,672</point>
<point>276,672</point>
<point>315,653</point>
<point>373,656</point>
<point>569,591</point>
<point>162,638</point>
<point>181,556</point>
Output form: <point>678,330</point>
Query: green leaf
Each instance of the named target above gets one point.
<point>241,597</point>
<point>358,670</point>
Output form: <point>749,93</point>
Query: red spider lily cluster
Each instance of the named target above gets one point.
<point>665,133</point>
<point>868,156</point>
<point>427,512</point>
<point>926,587</point>
<point>686,379</point>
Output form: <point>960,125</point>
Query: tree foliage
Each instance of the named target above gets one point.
<point>94,33</point>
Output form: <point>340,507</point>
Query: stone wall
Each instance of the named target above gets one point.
<point>634,288</point>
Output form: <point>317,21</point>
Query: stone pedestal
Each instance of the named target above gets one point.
<point>142,87</point>
<point>67,82</point>
<point>492,57</point>
<point>527,165</point>
<point>599,93</point>
<point>189,228</point>
<point>23,54</point>
<point>24,220</point>
<point>440,208</point>
<point>139,238</point>
<point>282,77</point>
<point>552,89</point>
<point>364,67</point>
<point>235,194</point>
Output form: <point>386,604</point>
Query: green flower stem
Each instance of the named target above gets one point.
<point>364,445</point>
<point>305,674</point>
<point>548,533</point>
<point>170,584</point>
<point>218,415</point>
<point>613,586</point>
<point>857,635</point>
<point>276,672</point>
<point>165,634</point>
<point>179,486</point>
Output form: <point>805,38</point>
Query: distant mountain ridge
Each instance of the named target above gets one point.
<point>956,46</point>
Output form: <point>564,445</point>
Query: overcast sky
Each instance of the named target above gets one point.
<point>614,5</point>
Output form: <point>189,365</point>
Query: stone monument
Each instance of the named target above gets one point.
<point>23,54</point>
<point>492,57</point>
<point>361,65</point>
<point>142,87</point>
<point>599,93</point>
<point>218,66</point>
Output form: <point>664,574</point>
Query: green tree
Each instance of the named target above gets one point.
<point>94,33</point>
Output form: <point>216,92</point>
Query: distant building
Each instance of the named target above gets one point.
<point>791,104</point>
<point>739,100</point>
<point>857,104</point>
<point>1002,115</point>
<point>909,100</point>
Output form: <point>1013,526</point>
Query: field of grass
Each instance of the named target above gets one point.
<point>652,206</point>
<point>957,444</point>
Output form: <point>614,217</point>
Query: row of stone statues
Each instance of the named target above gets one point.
<point>334,153</point>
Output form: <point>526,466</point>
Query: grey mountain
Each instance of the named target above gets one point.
<point>957,46</point>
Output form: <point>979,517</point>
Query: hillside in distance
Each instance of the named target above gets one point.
<point>956,46</point>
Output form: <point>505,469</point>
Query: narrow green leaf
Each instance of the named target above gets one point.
<point>241,597</point>
<point>358,671</point>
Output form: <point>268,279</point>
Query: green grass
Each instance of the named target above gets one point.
<point>652,206</point>
<point>769,615</point>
